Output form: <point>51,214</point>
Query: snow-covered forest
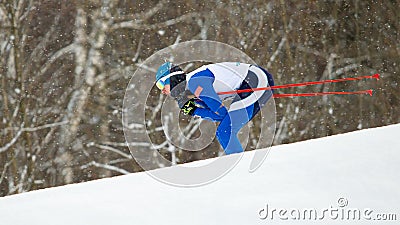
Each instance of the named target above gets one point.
<point>65,65</point>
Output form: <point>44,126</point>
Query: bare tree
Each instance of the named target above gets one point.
<point>64,67</point>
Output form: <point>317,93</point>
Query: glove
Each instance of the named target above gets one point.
<point>189,107</point>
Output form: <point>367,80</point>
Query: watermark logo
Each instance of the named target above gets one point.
<point>135,119</point>
<point>339,212</point>
<point>342,202</point>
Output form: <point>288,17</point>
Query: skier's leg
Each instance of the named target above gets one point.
<point>242,111</point>
<point>229,128</point>
<point>257,77</point>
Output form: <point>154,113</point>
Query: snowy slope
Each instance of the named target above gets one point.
<point>362,167</point>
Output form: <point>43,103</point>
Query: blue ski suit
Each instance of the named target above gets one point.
<point>206,81</point>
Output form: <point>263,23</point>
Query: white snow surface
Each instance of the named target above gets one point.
<point>363,167</point>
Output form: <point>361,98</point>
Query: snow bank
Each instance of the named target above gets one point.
<point>358,170</point>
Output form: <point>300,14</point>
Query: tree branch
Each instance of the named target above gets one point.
<point>105,166</point>
<point>9,144</point>
<point>29,9</point>
<point>134,24</point>
<point>3,174</point>
<point>257,33</point>
<point>138,144</point>
<point>32,129</point>
<point>277,51</point>
<point>108,148</point>
<point>145,15</point>
<point>65,50</point>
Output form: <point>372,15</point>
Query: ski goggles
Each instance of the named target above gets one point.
<point>164,80</point>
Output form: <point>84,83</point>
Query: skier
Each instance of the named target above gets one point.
<point>196,95</point>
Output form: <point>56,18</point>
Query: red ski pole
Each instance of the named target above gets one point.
<point>322,93</point>
<point>375,76</point>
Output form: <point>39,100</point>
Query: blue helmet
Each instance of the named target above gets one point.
<point>163,70</point>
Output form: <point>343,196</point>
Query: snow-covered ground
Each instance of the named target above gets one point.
<point>356,172</point>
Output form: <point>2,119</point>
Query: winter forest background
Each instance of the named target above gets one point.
<point>65,65</point>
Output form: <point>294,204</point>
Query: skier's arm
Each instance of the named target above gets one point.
<point>207,114</point>
<point>201,84</point>
<point>191,108</point>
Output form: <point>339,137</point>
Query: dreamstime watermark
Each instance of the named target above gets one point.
<point>146,153</point>
<point>339,212</point>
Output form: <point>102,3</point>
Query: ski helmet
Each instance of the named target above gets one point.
<point>163,70</point>
<point>166,72</point>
